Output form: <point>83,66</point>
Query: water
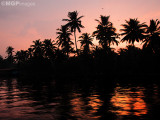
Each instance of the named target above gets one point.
<point>77,101</point>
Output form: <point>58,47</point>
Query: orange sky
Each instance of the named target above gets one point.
<point>20,25</point>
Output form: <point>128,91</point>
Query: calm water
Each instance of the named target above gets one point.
<point>70,101</point>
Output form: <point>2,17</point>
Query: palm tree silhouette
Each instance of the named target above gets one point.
<point>86,40</point>
<point>64,40</point>
<point>30,52</point>
<point>152,40</point>
<point>10,57</point>
<point>21,56</point>
<point>105,32</point>
<point>37,48</point>
<point>49,48</point>
<point>133,31</point>
<point>9,51</point>
<point>74,23</point>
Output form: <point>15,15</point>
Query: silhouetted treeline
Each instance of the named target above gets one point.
<point>59,57</point>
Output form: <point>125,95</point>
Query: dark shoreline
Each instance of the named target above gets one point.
<point>77,77</point>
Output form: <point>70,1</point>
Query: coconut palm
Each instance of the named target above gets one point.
<point>64,40</point>
<point>49,48</point>
<point>9,51</point>
<point>30,52</point>
<point>105,33</point>
<point>10,57</point>
<point>37,48</point>
<point>86,41</point>
<point>153,36</point>
<point>133,31</point>
<point>74,23</point>
<point>21,56</point>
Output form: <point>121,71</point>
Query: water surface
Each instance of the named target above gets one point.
<point>77,101</point>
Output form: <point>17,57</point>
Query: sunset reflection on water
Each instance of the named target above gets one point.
<point>85,108</point>
<point>47,101</point>
<point>129,101</point>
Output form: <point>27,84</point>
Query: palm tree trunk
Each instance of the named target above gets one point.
<point>75,39</point>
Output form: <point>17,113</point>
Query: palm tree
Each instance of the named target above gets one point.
<point>153,36</point>
<point>64,40</point>
<point>30,52</point>
<point>49,48</point>
<point>37,48</point>
<point>105,33</point>
<point>74,23</point>
<point>9,51</point>
<point>21,56</point>
<point>86,40</point>
<point>133,31</point>
<point>10,57</point>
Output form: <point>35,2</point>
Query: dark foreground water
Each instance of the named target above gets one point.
<point>22,100</point>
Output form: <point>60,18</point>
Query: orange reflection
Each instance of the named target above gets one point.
<point>85,108</point>
<point>95,103</point>
<point>77,105</point>
<point>140,107</point>
<point>129,101</point>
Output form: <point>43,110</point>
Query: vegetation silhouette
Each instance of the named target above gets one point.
<point>58,57</point>
<point>86,41</point>
<point>152,41</point>
<point>105,32</point>
<point>37,49</point>
<point>49,49</point>
<point>10,51</point>
<point>64,40</point>
<point>133,31</point>
<point>74,23</point>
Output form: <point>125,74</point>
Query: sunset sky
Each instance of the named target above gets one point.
<point>20,25</point>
